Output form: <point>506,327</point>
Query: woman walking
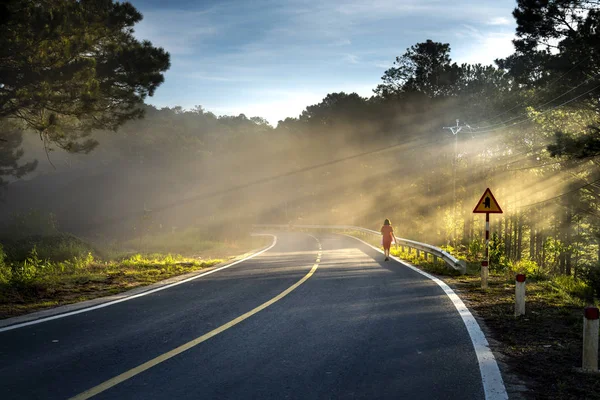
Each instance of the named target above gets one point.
<point>388,237</point>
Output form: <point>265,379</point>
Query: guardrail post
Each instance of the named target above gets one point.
<point>590,339</point>
<point>418,253</point>
<point>520,295</point>
<point>435,259</point>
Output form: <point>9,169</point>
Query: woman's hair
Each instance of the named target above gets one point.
<point>387,222</point>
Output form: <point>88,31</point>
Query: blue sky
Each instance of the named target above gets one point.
<point>273,58</point>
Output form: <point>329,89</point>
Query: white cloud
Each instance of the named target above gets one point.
<point>351,58</point>
<point>483,47</point>
<point>499,21</point>
<point>207,77</point>
<point>383,64</point>
<point>341,42</point>
<point>313,46</point>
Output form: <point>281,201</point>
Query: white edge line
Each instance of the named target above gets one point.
<point>110,303</point>
<point>493,384</point>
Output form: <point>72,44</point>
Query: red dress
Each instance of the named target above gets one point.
<point>387,231</point>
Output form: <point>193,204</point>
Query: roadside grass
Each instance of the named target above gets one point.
<point>428,265</point>
<point>542,348</point>
<point>77,271</point>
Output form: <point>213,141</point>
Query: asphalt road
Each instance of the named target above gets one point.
<point>358,328</point>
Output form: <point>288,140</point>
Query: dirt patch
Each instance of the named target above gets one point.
<point>539,353</point>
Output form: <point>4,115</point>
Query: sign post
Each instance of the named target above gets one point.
<point>487,205</point>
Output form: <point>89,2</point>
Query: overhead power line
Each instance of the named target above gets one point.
<point>542,105</point>
<point>406,146</point>
<point>546,88</point>
<point>561,195</point>
<point>541,113</point>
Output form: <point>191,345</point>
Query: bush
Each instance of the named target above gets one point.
<point>529,268</point>
<point>54,248</point>
<point>476,246</point>
<point>574,287</point>
<point>78,263</point>
<point>5,272</point>
<point>590,274</point>
<point>27,271</point>
<point>32,223</point>
<point>498,261</point>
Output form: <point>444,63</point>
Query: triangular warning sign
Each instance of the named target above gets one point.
<point>488,204</point>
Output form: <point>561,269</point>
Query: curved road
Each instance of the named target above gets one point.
<point>357,328</point>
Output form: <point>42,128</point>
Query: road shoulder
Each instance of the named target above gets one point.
<point>123,296</point>
<point>492,376</point>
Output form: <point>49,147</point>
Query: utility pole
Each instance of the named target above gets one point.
<point>455,130</point>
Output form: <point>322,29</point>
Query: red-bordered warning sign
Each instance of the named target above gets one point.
<point>488,204</point>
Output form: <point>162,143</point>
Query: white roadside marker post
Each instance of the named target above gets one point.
<point>520,295</point>
<point>590,339</point>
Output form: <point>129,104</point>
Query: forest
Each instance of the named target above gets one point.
<point>527,127</point>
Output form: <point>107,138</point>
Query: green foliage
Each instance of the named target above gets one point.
<point>574,287</point>
<point>448,248</point>
<point>498,259</point>
<point>72,66</point>
<point>424,68</point>
<point>438,268</point>
<point>5,270</point>
<point>27,271</point>
<point>475,249</point>
<point>79,263</point>
<point>553,248</point>
<point>582,146</point>
<point>154,260</point>
<point>10,153</point>
<point>54,248</point>
<point>31,223</point>
<point>30,283</point>
<point>530,268</point>
<point>553,37</point>
<point>591,275</point>
<point>336,109</point>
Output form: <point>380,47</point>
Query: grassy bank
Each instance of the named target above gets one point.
<point>542,348</point>
<point>39,272</point>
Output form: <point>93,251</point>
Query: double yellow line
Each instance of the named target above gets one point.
<point>163,357</point>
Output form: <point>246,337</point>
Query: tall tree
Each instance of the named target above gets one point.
<point>425,68</point>
<point>336,107</point>
<point>68,67</point>
<point>558,46</point>
<point>10,153</point>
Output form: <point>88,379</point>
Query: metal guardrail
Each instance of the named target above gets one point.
<point>427,249</point>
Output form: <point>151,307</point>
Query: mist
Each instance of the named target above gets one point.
<point>180,169</point>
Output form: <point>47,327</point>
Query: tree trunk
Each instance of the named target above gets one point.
<point>507,237</point>
<point>568,241</point>
<point>519,237</point>
<point>532,237</point>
